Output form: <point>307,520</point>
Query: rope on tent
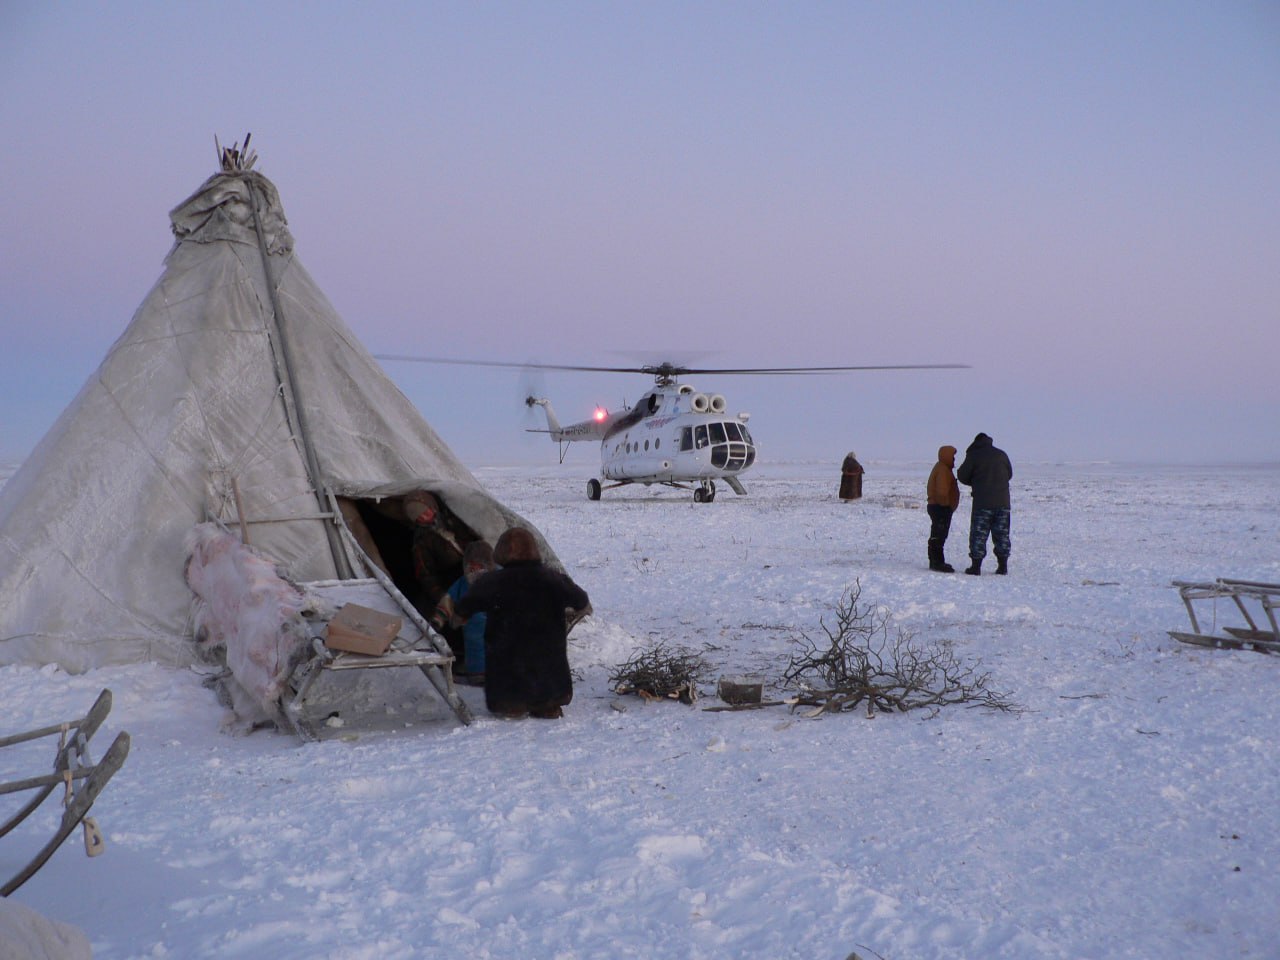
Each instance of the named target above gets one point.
<point>235,493</point>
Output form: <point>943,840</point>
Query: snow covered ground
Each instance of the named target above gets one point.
<point>1131,810</point>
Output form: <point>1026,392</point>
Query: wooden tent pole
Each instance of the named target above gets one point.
<point>296,411</point>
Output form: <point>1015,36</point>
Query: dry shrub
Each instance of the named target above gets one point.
<point>660,671</point>
<point>864,659</point>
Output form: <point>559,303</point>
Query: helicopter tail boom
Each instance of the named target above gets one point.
<point>593,429</point>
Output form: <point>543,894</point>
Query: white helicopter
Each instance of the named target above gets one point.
<point>674,435</point>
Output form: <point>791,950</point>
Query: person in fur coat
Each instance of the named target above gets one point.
<point>851,478</point>
<point>943,498</point>
<point>526,648</point>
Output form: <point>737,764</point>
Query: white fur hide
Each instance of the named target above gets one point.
<point>26,935</point>
<point>246,607</point>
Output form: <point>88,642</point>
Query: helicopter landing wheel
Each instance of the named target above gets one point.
<point>705,493</point>
<point>593,489</point>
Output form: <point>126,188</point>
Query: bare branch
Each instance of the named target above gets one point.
<point>866,661</point>
<point>661,671</point>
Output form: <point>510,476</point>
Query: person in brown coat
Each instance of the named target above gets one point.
<point>850,478</point>
<point>944,497</point>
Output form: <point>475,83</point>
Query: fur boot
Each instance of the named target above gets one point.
<point>937,559</point>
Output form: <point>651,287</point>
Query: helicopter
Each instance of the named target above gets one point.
<point>674,435</point>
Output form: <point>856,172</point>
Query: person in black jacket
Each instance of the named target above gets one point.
<point>525,642</point>
<point>987,470</point>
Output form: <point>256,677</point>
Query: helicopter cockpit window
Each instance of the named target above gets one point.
<point>717,432</point>
<point>700,436</point>
<point>686,438</point>
<point>732,430</point>
<point>653,402</point>
<point>746,434</point>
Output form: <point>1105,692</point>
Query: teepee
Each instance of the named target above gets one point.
<point>236,393</point>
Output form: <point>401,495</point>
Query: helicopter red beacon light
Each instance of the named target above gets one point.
<point>675,435</point>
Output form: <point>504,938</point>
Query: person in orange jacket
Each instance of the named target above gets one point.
<point>944,497</point>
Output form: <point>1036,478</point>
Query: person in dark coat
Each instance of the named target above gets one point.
<point>850,478</point>
<point>943,497</point>
<point>526,650</point>
<point>438,542</point>
<point>987,470</point>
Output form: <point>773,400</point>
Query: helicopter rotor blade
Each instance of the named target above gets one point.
<point>768,371</point>
<point>672,369</point>
<point>517,366</point>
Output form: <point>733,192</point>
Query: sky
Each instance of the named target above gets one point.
<point>1078,200</point>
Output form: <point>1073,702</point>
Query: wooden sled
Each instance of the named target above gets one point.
<point>416,646</point>
<point>1255,602</point>
<point>81,779</point>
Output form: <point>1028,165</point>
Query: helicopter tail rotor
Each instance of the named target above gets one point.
<point>531,387</point>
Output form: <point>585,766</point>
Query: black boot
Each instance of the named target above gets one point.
<point>1002,565</point>
<point>936,559</point>
<point>975,568</point>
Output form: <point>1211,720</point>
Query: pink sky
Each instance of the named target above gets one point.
<point>1079,200</point>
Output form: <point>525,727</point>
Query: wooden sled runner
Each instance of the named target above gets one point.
<point>1255,602</point>
<point>82,780</point>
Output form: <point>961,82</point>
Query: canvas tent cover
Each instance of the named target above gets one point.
<point>201,395</point>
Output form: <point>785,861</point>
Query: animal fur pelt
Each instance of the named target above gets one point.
<point>249,615</point>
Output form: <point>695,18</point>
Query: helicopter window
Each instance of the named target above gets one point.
<point>700,436</point>
<point>657,443</point>
<point>646,444</point>
<point>653,402</point>
<point>746,435</point>
<point>720,455</point>
<point>686,438</point>
<point>717,432</point>
<point>732,430</point>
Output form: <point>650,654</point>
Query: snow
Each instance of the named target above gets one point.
<point>1131,809</point>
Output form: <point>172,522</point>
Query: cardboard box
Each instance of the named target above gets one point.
<point>358,629</point>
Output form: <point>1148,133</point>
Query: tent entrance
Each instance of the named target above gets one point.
<point>385,535</point>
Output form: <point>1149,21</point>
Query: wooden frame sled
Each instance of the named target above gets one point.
<point>80,777</point>
<point>417,645</point>
<point>1260,631</point>
<point>360,581</point>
